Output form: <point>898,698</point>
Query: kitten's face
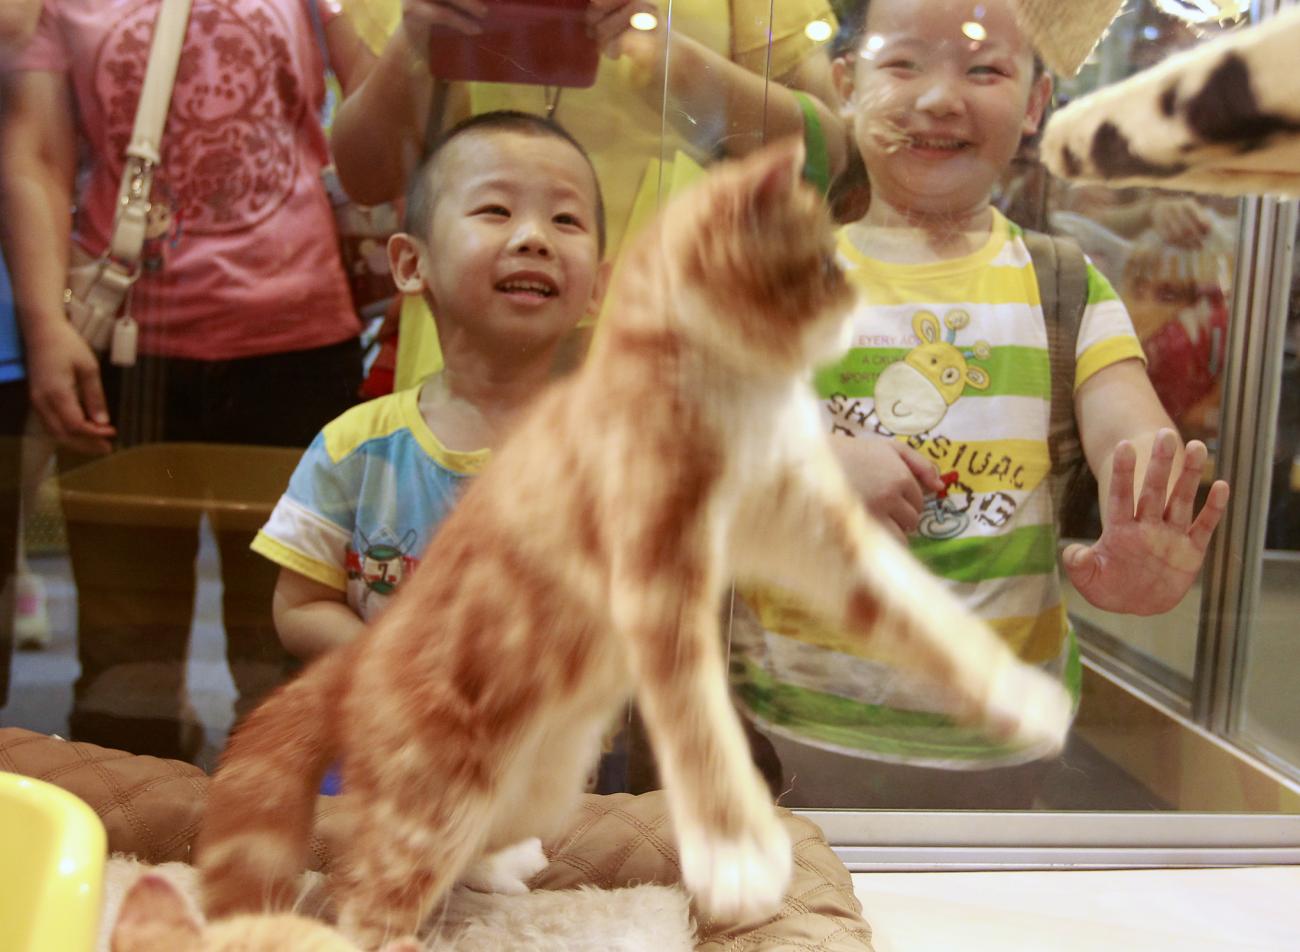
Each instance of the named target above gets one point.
<point>758,244</point>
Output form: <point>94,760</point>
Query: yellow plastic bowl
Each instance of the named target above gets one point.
<point>51,868</point>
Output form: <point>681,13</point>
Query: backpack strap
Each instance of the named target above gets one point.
<point>817,163</point>
<point>1062,273</point>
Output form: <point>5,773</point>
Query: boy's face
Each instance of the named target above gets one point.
<point>512,254</point>
<point>941,93</point>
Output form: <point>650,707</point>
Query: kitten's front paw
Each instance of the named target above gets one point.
<point>739,880</point>
<point>507,870</point>
<point>1026,707</point>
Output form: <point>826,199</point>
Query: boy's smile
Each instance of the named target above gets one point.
<point>528,287</point>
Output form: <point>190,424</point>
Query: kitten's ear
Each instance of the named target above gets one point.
<point>408,944</point>
<point>781,169</point>
<point>155,917</point>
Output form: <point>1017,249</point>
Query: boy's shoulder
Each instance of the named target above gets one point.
<point>373,419</point>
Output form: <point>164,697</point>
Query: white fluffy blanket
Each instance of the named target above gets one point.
<point>635,919</point>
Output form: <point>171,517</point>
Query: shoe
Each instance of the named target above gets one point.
<point>31,617</point>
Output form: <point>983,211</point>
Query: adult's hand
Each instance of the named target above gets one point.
<point>63,376</point>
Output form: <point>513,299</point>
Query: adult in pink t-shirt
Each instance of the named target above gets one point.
<point>247,329</point>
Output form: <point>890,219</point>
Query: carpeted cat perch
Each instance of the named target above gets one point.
<point>1222,118</point>
<point>151,809</point>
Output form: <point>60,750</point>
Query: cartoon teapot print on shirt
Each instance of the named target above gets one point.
<point>913,394</point>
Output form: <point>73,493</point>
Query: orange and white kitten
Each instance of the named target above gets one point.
<point>587,565</point>
<point>156,917</point>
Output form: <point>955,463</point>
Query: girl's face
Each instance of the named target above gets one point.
<point>941,93</point>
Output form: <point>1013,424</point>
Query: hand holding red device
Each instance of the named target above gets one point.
<point>538,42</point>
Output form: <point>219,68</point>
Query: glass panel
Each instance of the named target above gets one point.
<point>1268,709</point>
<point>267,305</point>
<point>850,730</point>
<point>1171,257</point>
<point>144,621</point>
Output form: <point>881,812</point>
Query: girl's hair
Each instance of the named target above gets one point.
<point>420,196</point>
<point>852,15</point>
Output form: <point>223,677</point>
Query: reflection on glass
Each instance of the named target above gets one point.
<point>1269,713</point>
<point>948,391</point>
<point>137,562</point>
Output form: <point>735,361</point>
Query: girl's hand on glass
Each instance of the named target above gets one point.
<point>1149,554</point>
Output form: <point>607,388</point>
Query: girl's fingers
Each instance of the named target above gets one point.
<point>1119,507</point>
<point>1182,500</point>
<point>1215,505</point>
<point>1151,500</point>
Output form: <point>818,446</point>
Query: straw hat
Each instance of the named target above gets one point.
<point>1223,118</point>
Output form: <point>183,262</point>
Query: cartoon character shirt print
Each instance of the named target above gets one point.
<point>950,357</point>
<point>364,501</point>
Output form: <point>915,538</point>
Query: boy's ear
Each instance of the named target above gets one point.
<point>404,254</point>
<point>598,288</point>
<point>1040,94</point>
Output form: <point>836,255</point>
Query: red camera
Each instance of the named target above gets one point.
<point>538,42</point>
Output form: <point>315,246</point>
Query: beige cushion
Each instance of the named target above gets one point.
<point>151,809</point>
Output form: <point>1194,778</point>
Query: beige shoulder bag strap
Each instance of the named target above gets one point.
<point>97,290</point>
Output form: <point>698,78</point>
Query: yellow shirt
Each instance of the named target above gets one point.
<point>630,144</point>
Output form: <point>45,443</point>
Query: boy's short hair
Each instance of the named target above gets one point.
<point>420,195</point>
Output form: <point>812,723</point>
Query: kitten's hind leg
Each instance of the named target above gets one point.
<point>809,535</point>
<point>736,856</point>
<point>410,844</point>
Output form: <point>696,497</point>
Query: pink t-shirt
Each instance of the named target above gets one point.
<point>242,258</point>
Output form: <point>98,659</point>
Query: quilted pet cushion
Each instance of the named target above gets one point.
<point>152,808</point>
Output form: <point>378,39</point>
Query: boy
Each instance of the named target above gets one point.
<point>946,392</point>
<point>504,238</point>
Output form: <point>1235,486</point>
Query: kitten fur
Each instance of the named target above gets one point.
<point>160,917</point>
<point>587,565</point>
<point>155,916</point>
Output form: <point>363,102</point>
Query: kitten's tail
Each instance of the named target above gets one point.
<point>252,845</point>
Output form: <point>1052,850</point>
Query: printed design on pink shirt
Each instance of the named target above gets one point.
<point>163,227</point>
<point>229,156</point>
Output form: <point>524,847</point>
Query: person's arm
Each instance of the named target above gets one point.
<point>1152,543</point>
<point>378,137</point>
<point>17,23</point>
<point>38,152</point>
<point>311,618</point>
<point>710,92</point>
<point>350,58</point>
<point>1103,426</point>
